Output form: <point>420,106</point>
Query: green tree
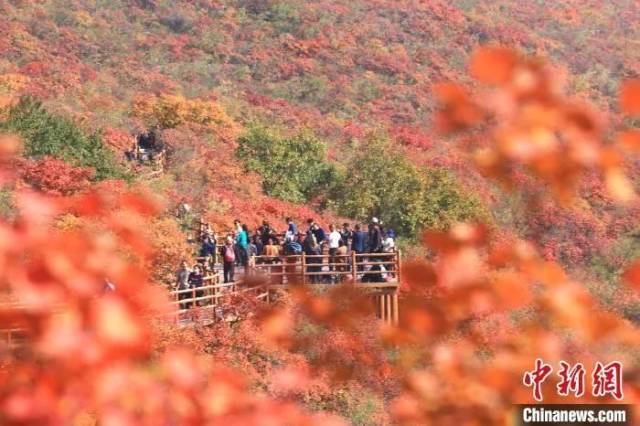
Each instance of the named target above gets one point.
<point>49,134</point>
<point>380,182</point>
<point>292,168</point>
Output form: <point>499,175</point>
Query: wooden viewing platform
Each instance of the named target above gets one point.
<point>269,276</point>
<point>375,273</point>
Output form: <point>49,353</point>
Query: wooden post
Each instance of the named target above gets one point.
<point>381,306</point>
<point>214,293</point>
<point>177,305</point>
<point>388,303</point>
<point>354,272</point>
<point>398,266</point>
<point>396,308</point>
<point>375,304</point>
<point>214,282</point>
<point>304,268</point>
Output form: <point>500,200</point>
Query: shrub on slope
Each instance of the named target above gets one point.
<point>46,134</point>
<point>292,168</point>
<point>381,182</point>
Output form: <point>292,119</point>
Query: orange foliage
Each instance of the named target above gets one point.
<point>458,110</point>
<point>550,136</point>
<point>475,313</point>
<point>90,352</point>
<point>493,65</point>
<point>169,247</point>
<point>630,97</point>
<point>632,275</point>
<point>117,139</point>
<point>11,86</point>
<point>171,111</point>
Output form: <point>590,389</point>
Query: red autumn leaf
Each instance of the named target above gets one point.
<point>493,65</point>
<point>276,326</point>
<point>291,379</point>
<point>451,93</point>
<point>419,274</point>
<point>139,203</point>
<point>512,290</point>
<point>630,140</point>
<point>458,111</point>
<point>632,275</point>
<point>116,324</point>
<point>54,176</point>
<point>9,145</point>
<point>21,407</point>
<point>619,185</point>
<point>630,97</point>
<point>181,369</point>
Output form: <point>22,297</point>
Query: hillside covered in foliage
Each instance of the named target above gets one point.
<point>212,73</point>
<point>510,116</point>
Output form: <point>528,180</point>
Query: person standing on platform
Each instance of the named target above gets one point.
<point>182,283</point>
<point>359,243</point>
<point>229,260</point>
<point>334,243</point>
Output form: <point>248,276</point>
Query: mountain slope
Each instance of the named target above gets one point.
<point>338,68</point>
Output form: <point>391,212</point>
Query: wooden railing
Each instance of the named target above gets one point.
<point>375,273</point>
<point>305,268</point>
<point>12,331</point>
<point>155,156</point>
<point>13,337</point>
<point>362,270</point>
<point>279,274</point>
<point>206,301</point>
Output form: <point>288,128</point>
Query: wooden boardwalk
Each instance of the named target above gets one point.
<point>377,274</point>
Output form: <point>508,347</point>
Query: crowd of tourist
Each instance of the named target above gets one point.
<point>266,246</point>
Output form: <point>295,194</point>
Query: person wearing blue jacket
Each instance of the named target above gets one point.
<point>292,247</point>
<point>319,233</point>
<point>359,242</point>
<point>292,229</point>
<point>208,246</point>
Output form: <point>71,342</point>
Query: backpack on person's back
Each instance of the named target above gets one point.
<point>293,248</point>
<point>228,254</point>
<point>310,243</point>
